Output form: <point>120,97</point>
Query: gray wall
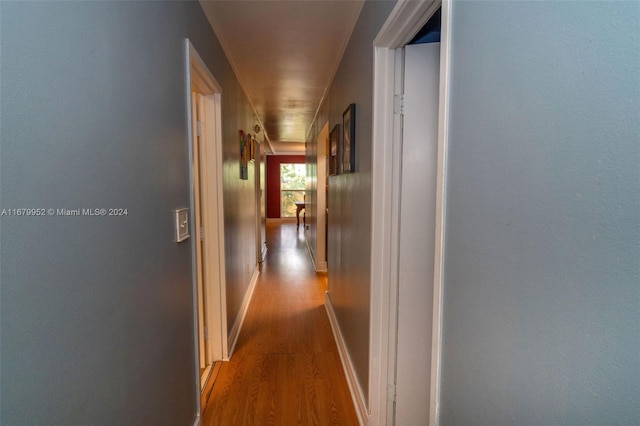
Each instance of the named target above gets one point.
<point>239,196</point>
<point>542,262</point>
<point>349,201</point>
<point>96,312</point>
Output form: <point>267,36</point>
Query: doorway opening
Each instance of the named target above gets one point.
<point>406,291</point>
<point>207,218</point>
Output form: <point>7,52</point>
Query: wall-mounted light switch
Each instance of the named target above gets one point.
<point>182,224</point>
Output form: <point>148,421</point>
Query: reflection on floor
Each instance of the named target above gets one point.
<point>286,369</point>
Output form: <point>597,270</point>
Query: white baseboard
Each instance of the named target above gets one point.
<point>264,253</point>
<point>282,220</point>
<point>313,258</point>
<point>237,326</point>
<point>357,395</point>
<point>318,266</point>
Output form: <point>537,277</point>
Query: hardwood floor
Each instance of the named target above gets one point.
<point>286,369</point>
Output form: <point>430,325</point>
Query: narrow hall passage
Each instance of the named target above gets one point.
<point>285,369</point>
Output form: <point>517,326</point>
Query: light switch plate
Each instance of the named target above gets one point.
<point>182,224</point>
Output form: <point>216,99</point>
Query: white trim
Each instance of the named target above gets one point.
<point>198,420</point>
<point>196,226</point>
<point>204,377</point>
<point>403,23</point>
<point>237,326</point>
<point>317,266</point>
<point>205,396</point>
<point>382,211</point>
<point>218,191</point>
<point>260,196</point>
<point>212,198</point>
<point>441,182</point>
<point>321,266</point>
<point>320,212</point>
<point>357,395</point>
<point>197,74</point>
<point>308,244</point>
<point>281,220</point>
<point>196,364</point>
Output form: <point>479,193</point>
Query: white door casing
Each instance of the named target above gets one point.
<point>403,23</point>
<point>204,140</point>
<point>197,135</point>
<point>320,260</point>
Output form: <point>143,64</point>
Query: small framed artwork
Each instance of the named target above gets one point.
<point>245,140</point>
<point>349,139</point>
<point>334,137</point>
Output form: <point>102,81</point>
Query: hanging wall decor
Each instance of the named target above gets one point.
<point>245,140</point>
<point>349,139</point>
<point>334,137</point>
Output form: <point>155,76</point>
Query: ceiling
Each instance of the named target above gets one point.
<point>284,54</point>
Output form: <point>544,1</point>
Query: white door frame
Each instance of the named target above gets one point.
<point>403,23</point>
<point>320,260</point>
<point>210,160</point>
<point>258,199</point>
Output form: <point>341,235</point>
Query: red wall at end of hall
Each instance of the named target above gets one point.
<point>273,181</point>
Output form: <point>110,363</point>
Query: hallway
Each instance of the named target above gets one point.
<point>285,369</point>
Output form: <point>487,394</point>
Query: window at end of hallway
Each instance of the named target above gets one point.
<point>292,186</point>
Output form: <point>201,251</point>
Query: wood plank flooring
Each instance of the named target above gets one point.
<point>285,369</point>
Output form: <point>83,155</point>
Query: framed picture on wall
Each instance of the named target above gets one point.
<point>349,139</point>
<point>334,137</point>
<point>245,140</point>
